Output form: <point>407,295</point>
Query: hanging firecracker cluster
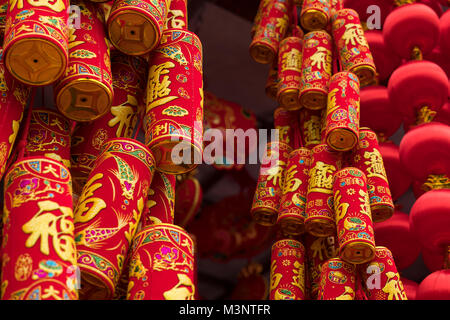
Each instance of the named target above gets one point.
<point>84,198</point>
<point>330,181</point>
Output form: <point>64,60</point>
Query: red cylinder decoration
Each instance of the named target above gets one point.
<point>85,91</point>
<point>352,46</point>
<point>135,27</point>
<point>49,136</point>
<point>318,251</point>
<point>315,14</point>
<point>435,286</point>
<point>289,72</point>
<point>396,235</point>
<point>266,201</point>
<point>272,81</point>
<point>337,280</point>
<point>262,10</point>
<point>285,122</point>
<point>36,41</point>
<point>174,115</point>
<point>381,278</point>
<point>161,200</point>
<point>367,157</point>
<point>162,264</point>
<point>129,79</point>
<point>108,213</point>
<point>13,100</point>
<point>411,30</point>
<point>270,31</point>
<point>38,247</point>
<point>311,127</point>
<point>316,69</point>
<point>320,215</point>
<point>177,15</point>
<point>410,287</point>
<point>353,217</point>
<point>3,11</point>
<point>188,201</point>
<point>287,270</point>
<point>342,119</point>
<point>292,213</point>
<point>398,178</point>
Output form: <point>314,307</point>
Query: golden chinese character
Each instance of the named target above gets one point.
<point>353,34</point>
<point>158,85</point>
<point>321,178</point>
<point>375,163</point>
<point>83,212</point>
<point>291,183</point>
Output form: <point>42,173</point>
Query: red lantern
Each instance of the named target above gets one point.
<point>398,177</point>
<point>411,30</point>
<point>396,235</point>
<point>435,258</point>
<point>377,112</point>
<point>386,61</point>
<point>410,287</point>
<point>433,4</point>
<point>435,286</point>
<point>445,33</point>
<point>418,89</point>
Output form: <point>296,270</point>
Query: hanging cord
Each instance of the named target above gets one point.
<point>295,32</point>
<point>298,139</point>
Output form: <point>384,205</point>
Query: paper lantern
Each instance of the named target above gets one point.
<point>292,214</point>
<point>13,100</point>
<point>85,91</point>
<point>352,47</point>
<point>410,288</point>
<point>435,286</point>
<point>315,14</point>
<point>398,178</point>
<point>418,89</point>
<point>353,216</point>
<point>290,71</point>
<point>316,69</point>
<point>36,41</point>
<point>174,116</point>
<point>381,277</point>
<point>38,247</point>
<point>378,113</point>
<point>320,217</point>
<point>108,213</point>
<point>287,270</point>
<point>337,280</point>
<point>343,112</point>
<point>411,30</point>
<point>270,31</point>
<point>396,235</point>
<point>162,264</point>
<point>129,79</point>
<point>367,157</point>
<point>49,136</point>
<point>135,27</point>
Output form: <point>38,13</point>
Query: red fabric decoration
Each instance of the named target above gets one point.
<point>320,215</point>
<point>377,112</point>
<point>49,136</point>
<point>292,213</point>
<point>381,278</point>
<point>290,72</point>
<point>433,4</point>
<point>343,112</point>
<point>353,216</point>
<point>386,61</point>
<point>188,201</point>
<point>445,33</point>
<point>435,286</point>
<point>410,287</point>
<point>316,69</point>
<point>177,16</point>
<point>108,213</point>
<point>35,48</point>
<point>411,26</point>
<point>272,81</point>
<point>162,264</point>
<point>174,113</point>
<point>287,270</point>
<point>434,258</point>
<point>396,235</point>
<point>367,157</point>
<point>337,280</point>
<point>136,29</point>
<point>38,247</point>
<point>398,177</point>
<point>352,47</point>
<point>14,98</point>
<point>315,15</point>
<point>286,121</point>
<point>85,92</point>
<point>311,127</point>
<point>430,219</point>
<point>360,6</point>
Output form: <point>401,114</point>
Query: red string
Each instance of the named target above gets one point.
<point>23,141</point>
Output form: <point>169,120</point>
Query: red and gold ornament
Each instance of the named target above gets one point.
<point>337,280</point>
<point>315,14</point>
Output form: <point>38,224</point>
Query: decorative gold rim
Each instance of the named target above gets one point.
<point>381,212</point>
<point>313,95</point>
<point>292,226</point>
<point>347,138</point>
<point>320,227</point>
<point>289,99</point>
<point>95,281</point>
<point>311,15</point>
<point>366,247</point>
<point>265,216</point>
<point>364,69</point>
<point>262,53</point>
